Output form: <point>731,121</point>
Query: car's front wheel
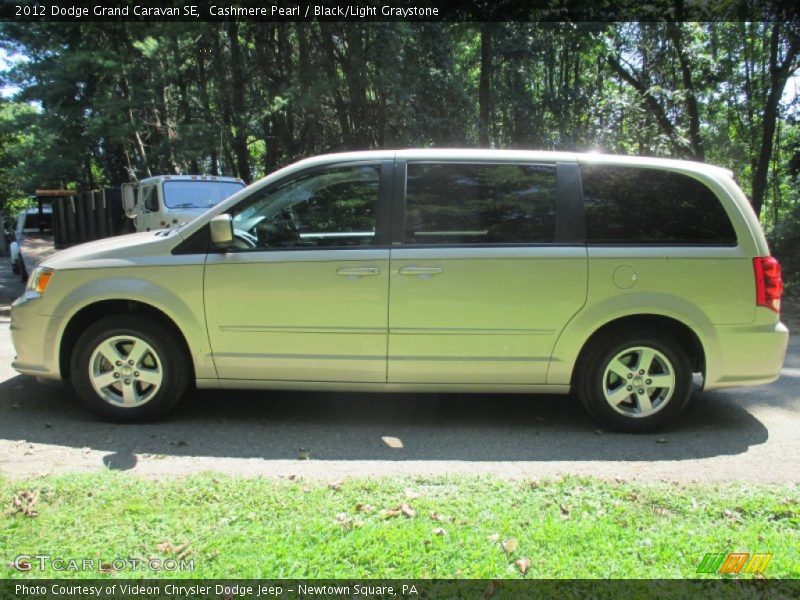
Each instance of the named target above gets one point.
<point>129,368</point>
<point>635,381</point>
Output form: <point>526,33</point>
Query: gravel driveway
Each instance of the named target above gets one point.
<point>750,434</point>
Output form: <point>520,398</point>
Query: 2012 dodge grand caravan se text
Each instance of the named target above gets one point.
<point>425,270</point>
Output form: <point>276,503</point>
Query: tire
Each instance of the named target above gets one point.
<point>23,272</point>
<point>156,380</point>
<point>611,376</point>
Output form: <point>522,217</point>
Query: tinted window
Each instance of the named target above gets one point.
<point>335,207</point>
<point>36,222</point>
<point>480,204</point>
<point>199,193</point>
<point>650,206</point>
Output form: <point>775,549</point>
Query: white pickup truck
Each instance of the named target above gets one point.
<point>33,239</point>
<point>166,200</point>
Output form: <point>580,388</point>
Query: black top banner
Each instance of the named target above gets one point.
<point>401,10</point>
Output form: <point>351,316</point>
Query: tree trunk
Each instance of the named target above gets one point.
<point>485,86</point>
<point>779,72</point>
<point>692,110</point>
<point>238,119</point>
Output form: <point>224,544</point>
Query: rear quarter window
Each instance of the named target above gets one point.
<point>633,205</point>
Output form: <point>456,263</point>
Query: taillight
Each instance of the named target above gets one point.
<point>769,285</point>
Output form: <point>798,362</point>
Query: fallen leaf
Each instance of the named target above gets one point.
<point>411,494</point>
<point>662,440</point>
<point>365,508</point>
<point>344,521</point>
<point>494,537</point>
<point>106,568</point>
<point>509,545</point>
<point>524,564</point>
<point>440,518</point>
<point>304,455</point>
<point>439,531</point>
<point>164,547</point>
<point>403,509</point>
<point>335,486</point>
<point>25,503</point>
<point>732,515</point>
<point>564,511</point>
<point>183,550</point>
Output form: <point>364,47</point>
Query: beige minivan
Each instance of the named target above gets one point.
<point>616,278</point>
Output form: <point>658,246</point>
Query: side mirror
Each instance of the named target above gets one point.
<point>221,231</point>
<point>129,200</point>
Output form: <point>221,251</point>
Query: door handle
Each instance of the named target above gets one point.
<point>358,271</point>
<point>420,270</point>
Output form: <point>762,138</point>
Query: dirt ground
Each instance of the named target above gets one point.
<point>748,434</point>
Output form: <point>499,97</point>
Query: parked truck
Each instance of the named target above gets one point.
<point>32,239</point>
<point>167,200</point>
<point>64,218</point>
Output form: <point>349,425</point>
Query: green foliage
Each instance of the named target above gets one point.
<point>407,528</point>
<point>784,241</point>
<point>114,101</point>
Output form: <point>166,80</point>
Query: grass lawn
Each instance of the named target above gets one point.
<point>397,528</point>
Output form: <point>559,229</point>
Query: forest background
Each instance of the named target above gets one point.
<point>87,105</point>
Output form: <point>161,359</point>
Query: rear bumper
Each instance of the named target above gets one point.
<point>747,355</point>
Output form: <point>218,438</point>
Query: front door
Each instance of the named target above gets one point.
<point>488,273</point>
<point>304,296</point>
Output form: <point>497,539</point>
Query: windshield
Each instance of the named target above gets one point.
<point>198,194</point>
<point>39,222</point>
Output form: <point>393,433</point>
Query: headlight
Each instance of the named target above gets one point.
<point>39,280</point>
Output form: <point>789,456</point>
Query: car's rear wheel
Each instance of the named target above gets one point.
<point>129,368</point>
<point>635,381</point>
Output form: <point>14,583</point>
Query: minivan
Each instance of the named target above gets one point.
<point>627,281</point>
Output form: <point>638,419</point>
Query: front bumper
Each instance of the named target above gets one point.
<point>35,338</point>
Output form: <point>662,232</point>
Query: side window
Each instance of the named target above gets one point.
<point>330,208</point>
<point>633,205</point>
<point>454,203</point>
<point>150,198</point>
